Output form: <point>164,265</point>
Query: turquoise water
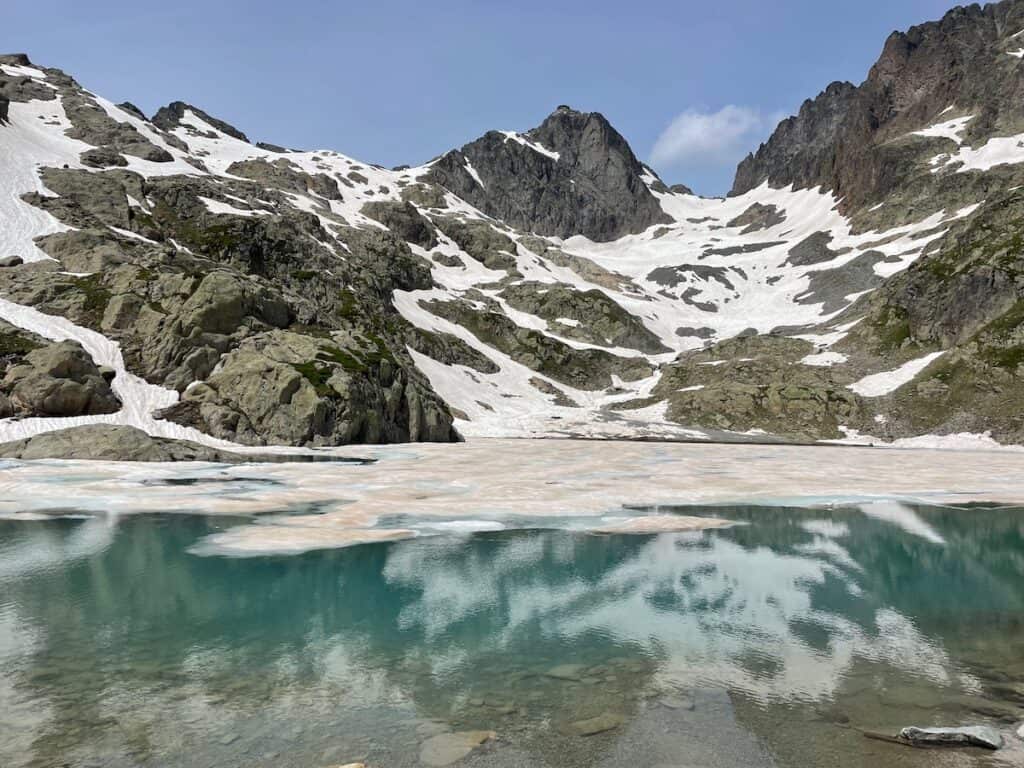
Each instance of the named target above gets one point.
<point>776,643</point>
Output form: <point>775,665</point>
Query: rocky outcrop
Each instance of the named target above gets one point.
<point>106,442</point>
<point>261,299</point>
<point>587,316</point>
<point>404,220</point>
<point>588,369</point>
<point>168,118</point>
<point>966,297</point>
<point>58,379</point>
<point>572,175</point>
<point>292,389</point>
<point>962,736</point>
<point>758,383</point>
<point>481,240</point>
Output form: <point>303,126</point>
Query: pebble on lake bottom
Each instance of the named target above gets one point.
<point>594,725</point>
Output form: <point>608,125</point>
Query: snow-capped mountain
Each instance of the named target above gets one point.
<point>863,281</point>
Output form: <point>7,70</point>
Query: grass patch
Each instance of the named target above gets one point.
<point>95,296</point>
<point>14,344</point>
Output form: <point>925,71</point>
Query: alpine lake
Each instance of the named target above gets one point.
<point>789,639</point>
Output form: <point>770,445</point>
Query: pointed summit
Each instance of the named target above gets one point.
<point>574,174</point>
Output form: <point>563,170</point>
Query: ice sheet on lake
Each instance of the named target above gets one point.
<point>429,489</point>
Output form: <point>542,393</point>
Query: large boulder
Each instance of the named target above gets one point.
<point>107,442</point>
<point>292,389</point>
<point>59,379</point>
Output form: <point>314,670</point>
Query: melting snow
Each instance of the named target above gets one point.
<point>950,129</point>
<point>535,146</point>
<point>216,206</point>
<point>886,382</point>
<point>824,359</point>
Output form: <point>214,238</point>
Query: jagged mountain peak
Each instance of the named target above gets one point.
<point>852,139</point>
<point>168,118</point>
<point>574,174</point>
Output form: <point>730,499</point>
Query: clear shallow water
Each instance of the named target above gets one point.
<point>771,643</point>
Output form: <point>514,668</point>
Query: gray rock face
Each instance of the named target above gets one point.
<point>287,388</point>
<point>480,240</point>
<point>588,369</point>
<point>168,118</point>
<point>105,442</point>
<point>283,174</point>
<point>5,106</point>
<point>404,220</point>
<point>59,379</point>
<point>800,151</point>
<point>812,250</point>
<point>598,319</point>
<point>103,157</point>
<point>758,386</point>
<point>578,177</point>
<point>847,139</point>
<point>757,217</point>
<point>11,261</point>
<point>962,736</point>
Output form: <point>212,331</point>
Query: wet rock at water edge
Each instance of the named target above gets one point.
<point>109,442</point>
<point>447,748</point>
<point>961,736</point>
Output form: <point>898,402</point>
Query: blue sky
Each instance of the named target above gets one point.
<point>399,81</point>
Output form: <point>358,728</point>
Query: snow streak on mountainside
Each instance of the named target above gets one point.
<point>538,283</point>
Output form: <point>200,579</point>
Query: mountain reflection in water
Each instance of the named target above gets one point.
<point>786,634</point>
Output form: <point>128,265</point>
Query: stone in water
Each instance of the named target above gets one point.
<point>963,736</point>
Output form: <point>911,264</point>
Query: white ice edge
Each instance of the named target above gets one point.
<point>490,484</point>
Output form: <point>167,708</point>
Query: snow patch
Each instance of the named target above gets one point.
<point>218,207</point>
<point>886,382</point>
<point>824,359</point>
<point>950,129</point>
<point>535,146</point>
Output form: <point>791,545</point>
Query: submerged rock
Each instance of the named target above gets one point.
<point>961,736</point>
<point>566,672</point>
<point>606,721</point>
<point>447,748</point>
<point>677,702</point>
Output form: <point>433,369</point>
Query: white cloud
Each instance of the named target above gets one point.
<point>711,139</point>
